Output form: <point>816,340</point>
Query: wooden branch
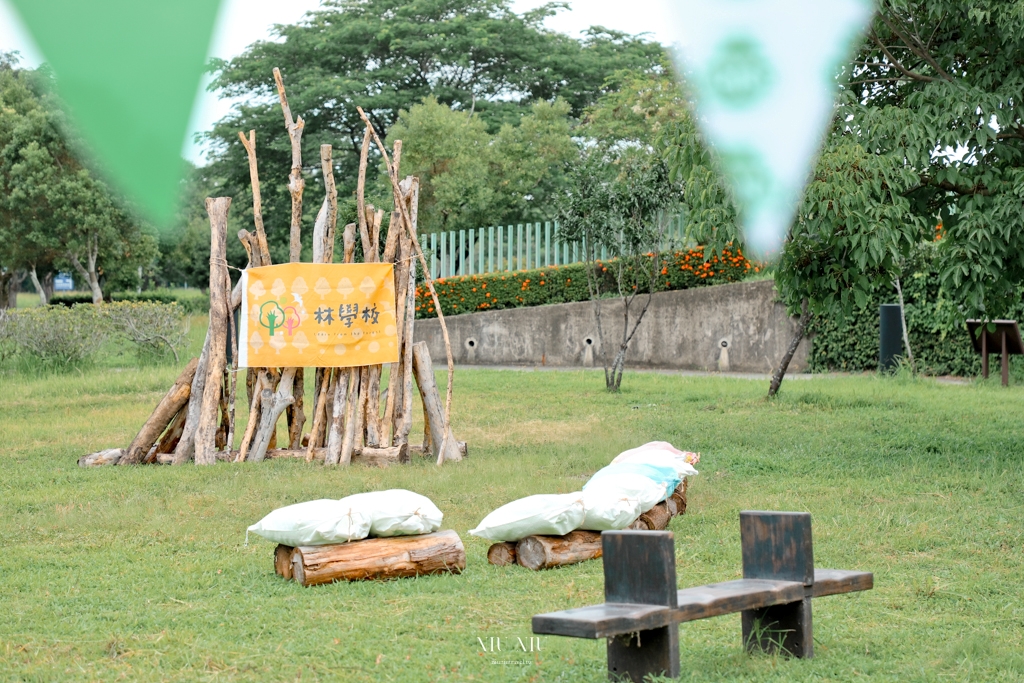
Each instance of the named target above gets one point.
<point>336,433</point>
<point>411,230</point>
<point>111,456</point>
<point>296,183</point>
<point>161,416</point>
<point>319,411</point>
<point>327,166</point>
<point>206,434</point>
<point>350,242</point>
<point>186,448</point>
<point>361,195</point>
<point>380,558</point>
<point>445,446</point>
<point>349,443</point>
<point>407,350</point>
<point>257,203</point>
<point>262,382</point>
<point>274,404</point>
<point>171,437</point>
<point>375,457</point>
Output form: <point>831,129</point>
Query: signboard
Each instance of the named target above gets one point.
<point>63,283</point>
<point>318,315</point>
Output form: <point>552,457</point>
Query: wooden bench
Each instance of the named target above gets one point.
<point>642,610</point>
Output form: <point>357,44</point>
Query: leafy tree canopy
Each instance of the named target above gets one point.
<point>54,210</point>
<point>928,128</point>
<point>387,56</point>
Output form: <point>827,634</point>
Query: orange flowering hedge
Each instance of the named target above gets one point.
<point>562,284</point>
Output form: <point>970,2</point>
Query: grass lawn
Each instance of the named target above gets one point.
<point>142,573</point>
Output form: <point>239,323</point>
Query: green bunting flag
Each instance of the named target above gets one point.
<point>129,71</point>
<point>764,76</point>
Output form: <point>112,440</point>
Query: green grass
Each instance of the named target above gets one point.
<point>142,573</point>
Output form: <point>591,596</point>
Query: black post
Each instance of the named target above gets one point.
<point>890,329</point>
<point>1006,362</point>
<point>640,568</point>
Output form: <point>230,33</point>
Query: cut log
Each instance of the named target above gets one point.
<point>111,456</point>
<point>545,552</point>
<point>502,554</point>
<point>380,558</point>
<point>336,432</point>
<point>432,405</point>
<point>162,415</point>
<point>657,518</point>
<point>206,435</point>
<point>679,497</point>
<point>376,457</point>
<point>283,561</point>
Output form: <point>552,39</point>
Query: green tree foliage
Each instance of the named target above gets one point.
<point>616,208</point>
<point>928,128</point>
<point>55,212</point>
<point>469,178</point>
<point>387,56</point>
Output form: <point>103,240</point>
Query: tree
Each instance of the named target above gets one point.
<point>388,55</point>
<point>929,128</point>
<point>615,208</point>
<point>470,178</point>
<point>55,212</point>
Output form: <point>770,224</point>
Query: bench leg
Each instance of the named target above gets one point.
<point>633,656</point>
<point>785,627</point>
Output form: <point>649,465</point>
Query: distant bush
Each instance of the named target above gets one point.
<point>192,301</point>
<point>7,346</point>
<point>563,284</point>
<point>156,329</point>
<point>59,337</point>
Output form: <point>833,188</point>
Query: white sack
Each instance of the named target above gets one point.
<point>398,512</point>
<point>646,492</point>
<point>316,522</point>
<point>545,514</point>
<point>658,457</point>
<point>608,509</point>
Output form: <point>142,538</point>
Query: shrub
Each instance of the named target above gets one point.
<point>192,301</point>
<point>937,335</point>
<point>6,334</point>
<point>59,337</point>
<point>563,284</point>
<point>155,328</point>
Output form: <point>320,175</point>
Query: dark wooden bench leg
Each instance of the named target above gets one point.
<point>783,627</point>
<point>640,568</point>
<point>778,545</point>
<point>635,655</point>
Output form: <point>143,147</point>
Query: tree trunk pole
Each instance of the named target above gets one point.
<point>780,372</point>
<point>206,435</point>
<point>903,321</point>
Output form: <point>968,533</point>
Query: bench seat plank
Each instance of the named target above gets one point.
<point>601,621</point>
<point>837,581</point>
<point>717,599</point>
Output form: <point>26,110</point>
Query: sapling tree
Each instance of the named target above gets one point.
<point>615,210</point>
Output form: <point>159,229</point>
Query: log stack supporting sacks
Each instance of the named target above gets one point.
<point>441,552</point>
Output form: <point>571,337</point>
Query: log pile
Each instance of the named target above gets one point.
<point>352,420</point>
<point>545,552</point>
<point>441,552</point>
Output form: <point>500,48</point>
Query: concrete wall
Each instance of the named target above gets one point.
<point>737,327</point>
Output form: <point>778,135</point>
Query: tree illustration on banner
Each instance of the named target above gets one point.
<point>129,71</point>
<point>764,75</point>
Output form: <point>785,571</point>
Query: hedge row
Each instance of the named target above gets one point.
<point>563,284</point>
<point>195,303</point>
<point>940,342</point>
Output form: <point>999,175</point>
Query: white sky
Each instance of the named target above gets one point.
<point>243,22</point>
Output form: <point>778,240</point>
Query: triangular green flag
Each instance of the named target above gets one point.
<point>129,71</point>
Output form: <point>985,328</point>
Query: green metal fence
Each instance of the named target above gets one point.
<point>524,246</point>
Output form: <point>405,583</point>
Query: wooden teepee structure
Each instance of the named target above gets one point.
<point>352,421</point>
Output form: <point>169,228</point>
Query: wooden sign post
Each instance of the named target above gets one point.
<point>996,334</point>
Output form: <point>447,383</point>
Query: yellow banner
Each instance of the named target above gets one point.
<point>318,315</point>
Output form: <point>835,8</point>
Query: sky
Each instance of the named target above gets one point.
<point>243,22</point>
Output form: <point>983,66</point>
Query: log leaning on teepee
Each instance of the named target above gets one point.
<point>441,552</point>
<point>162,416</point>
